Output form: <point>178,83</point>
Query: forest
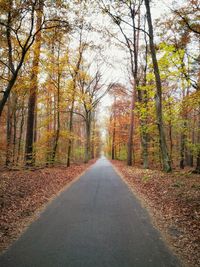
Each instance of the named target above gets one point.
<point>54,76</point>
<point>83,79</point>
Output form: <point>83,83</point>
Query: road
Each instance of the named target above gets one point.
<point>96,222</point>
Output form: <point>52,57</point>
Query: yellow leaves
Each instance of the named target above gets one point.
<point>150,76</point>
<point>70,86</point>
<point>4,6</point>
<point>192,100</point>
<point>84,76</point>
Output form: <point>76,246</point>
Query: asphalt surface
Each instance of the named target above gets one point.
<point>97,222</point>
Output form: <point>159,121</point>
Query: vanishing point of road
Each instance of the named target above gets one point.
<point>96,222</point>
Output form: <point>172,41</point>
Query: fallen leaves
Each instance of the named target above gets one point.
<point>25,192</point>
<point>173,200</point>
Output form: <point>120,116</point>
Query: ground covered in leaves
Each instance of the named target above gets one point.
<point>24,194</point>
<point>173,201</point>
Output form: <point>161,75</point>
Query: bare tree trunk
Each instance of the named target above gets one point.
<point>71,126</point>
<point>162,139</point>
<point>170,133</point>
<point>114,128</point>
<point>14,128</point>
<point>113,141</point>
<point>57,133</point>
<point>93,152</point>
<point>197,169</point>
<point>182,150</point>
<point>29,157</point>
<point>9,134</point>
<point>20,134</point>
<point>35,133</point>
<point>57,125</point>
<point>49,128</point>
<point>30,127</point>
<point>130,136</point>
<point>193,141</point>
<point>142,98</point>
<point>6,97</point>
<point>134,70</point>
<point>88,137</point>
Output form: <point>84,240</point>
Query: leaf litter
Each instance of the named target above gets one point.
<point>173,201</point>
<point>25,193</point>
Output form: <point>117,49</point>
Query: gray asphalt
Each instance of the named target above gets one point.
<point>97,222</point>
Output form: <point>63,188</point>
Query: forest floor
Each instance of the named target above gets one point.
<point>173,203</point>
<point>25,193</point>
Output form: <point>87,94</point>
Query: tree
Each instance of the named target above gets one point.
<point>74,69</point>
<point>118,13</point>
<point>31,119</point>
<point>158,99</point>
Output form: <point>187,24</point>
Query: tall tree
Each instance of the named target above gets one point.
<point>163,145</point>
<point>31,119</point>
<point>74,72</point>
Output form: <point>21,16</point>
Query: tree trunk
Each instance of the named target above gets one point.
<point>93,151</point>
<point>35,132</point>
<point>134,69</point>
<point>191,152</point>
<point>9,134</point>
<point>142,98</point>
<point>57,124</point>
<point>74,76</point>
<point>130,136</point>
<point>30,127</point>
<point>57,132</point>
<point>170,134</point>
<point>182,150</point>
<point>88,137</point>
<point>49,127</point>
<point>113,133</point>
<point>29,157</point>
<point>71,126</point>
<point>163,146</point>
<point>14,129</point>
<point>20,135</point>
<point>113,141</point>
<point>197,169</point>
<point>87,146</point>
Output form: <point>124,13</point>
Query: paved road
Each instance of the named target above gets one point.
<point>97,222</point>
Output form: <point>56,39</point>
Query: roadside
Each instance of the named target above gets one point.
<point>25,193</point>
<point>173,203</point>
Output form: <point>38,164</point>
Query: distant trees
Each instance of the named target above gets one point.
<point>118,121</point>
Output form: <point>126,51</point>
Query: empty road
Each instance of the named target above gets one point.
<point>96,222</point>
